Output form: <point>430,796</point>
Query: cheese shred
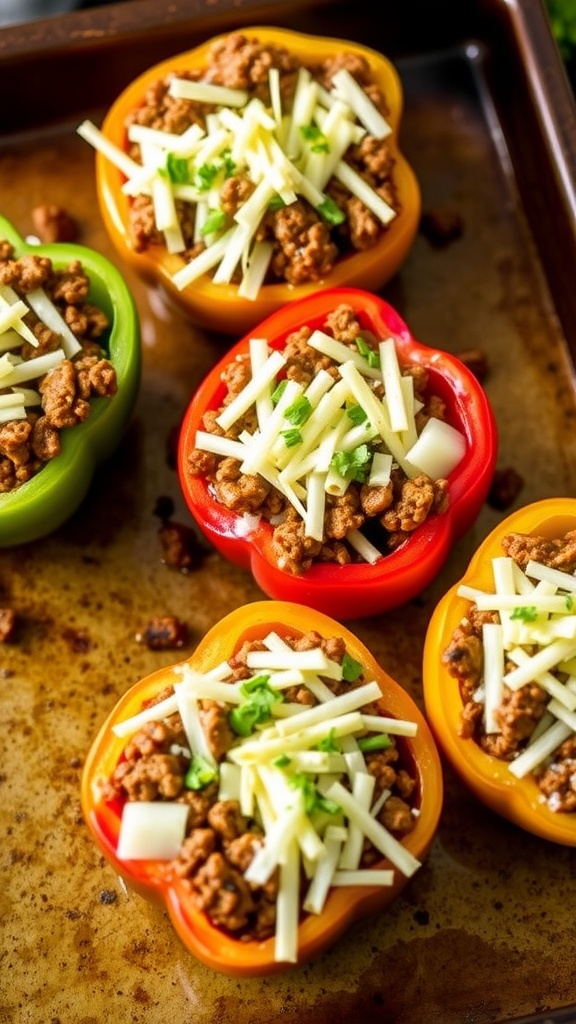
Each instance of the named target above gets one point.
<point>302,778</point>
<point>285,152</point>
<point>532,643</point>
<point>311,442</point>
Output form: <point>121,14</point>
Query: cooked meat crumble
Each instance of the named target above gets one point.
<point>7,624</point>
<point>163,633</point>
<point>64,392</point>
<point>221,842</point>
<point>520,710</point>
<point>54,223</point>
<point>389,514</point>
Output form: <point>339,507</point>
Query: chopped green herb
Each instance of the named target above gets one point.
<point>313,800</point>
<point>282,761</point>
<point>256,708</point>
<point>279,391</point>
<point>370,355</point>
<point>291,437</point>
<point>526,614</point>
<point>200,773</point>
<point>379,742</point>
<point>177,169</point>
<point>328,806</point>
<point>569,602</point>
<point>351,669</point>
<point>206,176</point>
<point>245,718</point>
<point>215,221</point>
<point>254,683</point>
<point>228,165</point>
<point>328,744</point>
<point>299,411</point>
<point>356,414</point>
<point>276,203</point>
<point>331,212</point>
<point>316,138</point>
<point>354,465</point>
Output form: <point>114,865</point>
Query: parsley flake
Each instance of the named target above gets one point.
<point>331,212</point>
<point>356,414</point>
<point>177,169</point>
<point>527,614</point>
<point>354,465</point>
<point>291,437</point>
<point>214,222</point>
<point>256,709</point>
<point>299,411</point>
<point>351,669</point>
<point>316,138</point>
<point>200,773</point>
<point>370,355</point>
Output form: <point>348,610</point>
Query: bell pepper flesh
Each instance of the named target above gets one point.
<point>359,589</point>
<point>345,905</point>
<point>489,779</point>
<point>49,498</point>
<point>218,306</point>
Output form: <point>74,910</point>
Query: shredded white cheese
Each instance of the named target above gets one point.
<point>284,153</point>
<point>304,436</point>
<point>438,450</point>
<point>264,770</point>
<point>29,369</point>
<point>492,640</point>
<point>347,87</point>
<point>11,322</point>
<point>151,831</point>
<point>536,635</point>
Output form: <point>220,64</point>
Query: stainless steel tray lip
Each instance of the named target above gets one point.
<point>90,27</point>
<point>552,93</point>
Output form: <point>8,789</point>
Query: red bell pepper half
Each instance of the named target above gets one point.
<point>359,589</point>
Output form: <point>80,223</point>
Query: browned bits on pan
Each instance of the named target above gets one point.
<point>54,224</point>
<point>506,486</point>
<point>7,624</point>
<point>441,225</point>
<point>180,547</point>
<point>163,633</point>
<point>107,897</point>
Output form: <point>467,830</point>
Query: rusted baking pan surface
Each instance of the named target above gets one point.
<point>484,931</point>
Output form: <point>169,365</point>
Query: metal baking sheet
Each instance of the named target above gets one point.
<point>485,930</point>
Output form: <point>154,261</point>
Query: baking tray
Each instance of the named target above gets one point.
<point>485,930</point>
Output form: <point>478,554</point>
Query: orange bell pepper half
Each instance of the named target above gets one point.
<point>218,306</point>
<point>316,932</point>
<point>489,779</point>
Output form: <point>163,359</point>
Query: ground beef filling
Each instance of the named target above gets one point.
<point>305,247</point>
<point>65,391</point>
<point>387,515</point>
<point>521,710</point>
<point>220,842</point>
